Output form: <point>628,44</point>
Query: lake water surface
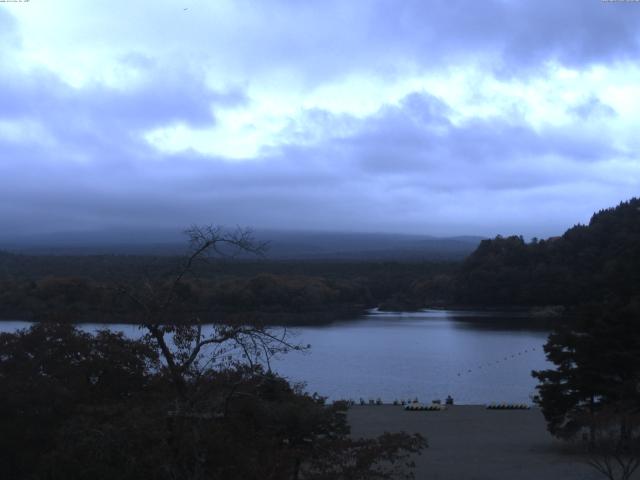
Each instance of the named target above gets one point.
<point>476,357</point>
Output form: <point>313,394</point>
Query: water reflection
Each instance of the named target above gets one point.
<point>477,357</point>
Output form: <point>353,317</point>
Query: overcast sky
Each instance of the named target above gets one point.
<point>413,116</point>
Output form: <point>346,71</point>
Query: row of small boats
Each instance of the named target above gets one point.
<point>436,407</point>
<point>433,407</point>
<point>508,406</point>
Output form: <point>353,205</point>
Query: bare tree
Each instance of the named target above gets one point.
<point>615,447</point>
<point>186,344</point>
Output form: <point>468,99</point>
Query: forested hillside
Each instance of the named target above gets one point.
<point>588,262</point>
<point>87,288</point>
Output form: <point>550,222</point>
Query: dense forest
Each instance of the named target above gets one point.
<point>589,261</point>
<point>87,288</point>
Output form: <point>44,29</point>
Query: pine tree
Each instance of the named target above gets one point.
<point>597,358</point>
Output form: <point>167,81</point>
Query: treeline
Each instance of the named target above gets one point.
<point>597,260</point>
<point>88,289</point>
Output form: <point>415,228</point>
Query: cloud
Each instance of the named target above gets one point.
<point>8,30</point>
<point>592,107</point>
<point>347,115</point>
<point>403,168</point>
<point>305,44</point>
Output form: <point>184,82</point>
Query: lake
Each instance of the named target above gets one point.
<point>476,357</point>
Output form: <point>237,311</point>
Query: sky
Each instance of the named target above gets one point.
<point>414,116</point>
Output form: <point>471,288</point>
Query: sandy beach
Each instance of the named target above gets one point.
<point>469,442</point>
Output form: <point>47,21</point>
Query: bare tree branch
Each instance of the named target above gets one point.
<point>188,342</point>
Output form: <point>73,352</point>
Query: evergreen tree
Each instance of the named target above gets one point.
<point>597,358</point>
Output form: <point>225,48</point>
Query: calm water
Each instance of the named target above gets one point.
<point>477,357</point>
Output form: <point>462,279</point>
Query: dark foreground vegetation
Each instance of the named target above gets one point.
<point>184,402</point>
<point>80,406</point>
<point>593,394</point>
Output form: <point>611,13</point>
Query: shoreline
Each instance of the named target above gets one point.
<point>317,318</point>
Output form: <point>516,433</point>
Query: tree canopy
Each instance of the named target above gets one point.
<point>586,262</point>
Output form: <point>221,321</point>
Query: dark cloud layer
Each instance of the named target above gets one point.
<point>333,37</point>
<point>393,172</point>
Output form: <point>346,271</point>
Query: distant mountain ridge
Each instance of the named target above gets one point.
<point>289,245</point>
